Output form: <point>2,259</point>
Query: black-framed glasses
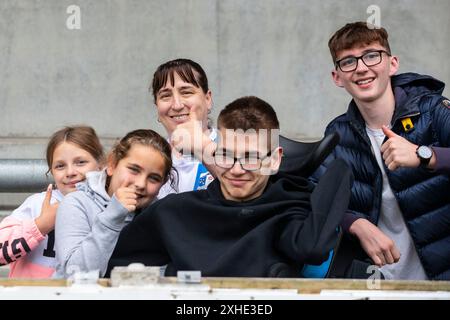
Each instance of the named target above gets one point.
<point>249,162</point>
<point>370,59</point>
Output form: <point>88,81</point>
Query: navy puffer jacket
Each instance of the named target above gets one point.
<point>423,196</point>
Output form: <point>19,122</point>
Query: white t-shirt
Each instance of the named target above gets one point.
<point>392,223</point>
<point>192,174</point>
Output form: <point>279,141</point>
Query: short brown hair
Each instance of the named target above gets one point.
<point>84,137</point>
<point>248,113</point>
<point>144,137</point>
<point>357,34</point>
<point>188,70</point>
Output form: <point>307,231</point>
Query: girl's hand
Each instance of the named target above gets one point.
<point>46,221</point>
<point>126,195</point>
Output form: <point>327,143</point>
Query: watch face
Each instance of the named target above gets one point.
<point>424,152</point>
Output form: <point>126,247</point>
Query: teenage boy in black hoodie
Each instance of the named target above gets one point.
<point>249,222</point>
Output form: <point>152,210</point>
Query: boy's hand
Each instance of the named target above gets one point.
<point>46,220</point>
<point>126,195</point>
<point>380,248</point>
<point>398,152</point>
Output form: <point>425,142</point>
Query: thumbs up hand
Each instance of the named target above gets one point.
<point>189,137</point>
<point>398,152</point>
<point>126,195</point>
<point>46,220</point>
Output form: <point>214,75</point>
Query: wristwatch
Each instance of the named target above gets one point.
<point>424,153</point>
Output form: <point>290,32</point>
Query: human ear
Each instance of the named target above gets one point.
<point>111,165</point>
<point>394,64</point>
<point>336,78</point>
<point>275,159</point>
<point>209,99</point>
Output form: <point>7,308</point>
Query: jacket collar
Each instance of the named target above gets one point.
<point>408,89</point>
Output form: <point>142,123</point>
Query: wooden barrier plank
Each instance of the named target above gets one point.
<point>16,282</point>
<point>315,286</point>
<point>301,285</point>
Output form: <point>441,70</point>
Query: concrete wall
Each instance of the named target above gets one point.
<point>99,75</point>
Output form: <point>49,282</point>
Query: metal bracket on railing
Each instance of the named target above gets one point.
<point>23,175</point>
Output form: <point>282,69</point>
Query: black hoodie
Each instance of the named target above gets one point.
<point>270,236</point>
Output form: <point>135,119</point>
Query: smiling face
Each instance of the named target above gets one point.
<point>143,168</point>
<point>175,102</point>
<point>70,164</point>
<point>236,183</point>
<point>366,84</point>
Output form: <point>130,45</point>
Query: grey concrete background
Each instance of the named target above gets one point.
<point>99,75</point>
